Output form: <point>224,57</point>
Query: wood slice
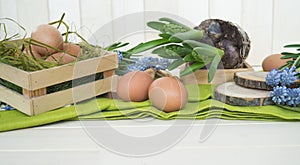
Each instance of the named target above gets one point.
<point>256,80</point>
<point>252,79</point>
<point>233,94</point>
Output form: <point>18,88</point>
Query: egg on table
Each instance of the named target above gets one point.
<point>273,61</point>
<point>133,86</point>
<point>168,94</point>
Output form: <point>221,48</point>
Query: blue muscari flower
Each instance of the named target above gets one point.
<point>120,55</point>
<point>273,78</point>
<point>279,94</point>
<point>288,76</point>
<point>297,99</point>
<point>293,97</point>
<point>279,80</point>
<point>145,63</point>
<point>6,107</point>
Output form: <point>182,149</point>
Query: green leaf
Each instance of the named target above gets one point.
<point>178,49</point>
<point>192,68</point>
<point>213,67</point>
<point>176,64</point>
<point>206,54</point>
<point>290,62</point>
<point>189,58</point>
<point>171,54</point>
<point>200,58</point>
<point>172,51</point>
<point>292,46</point>
<point>115,46</point>
<point>283,66</point>
<point>164,35</point>
<point>182,51</point>
<point>287,53</point>
<point>147,45</point>
<point>166,53</point>
<point>289,56</point>
<point>159,50</point>
<point>297,62</point>
<point>189,35</point>
<point>156,25</point>
<point>174,22</point>
<point>194,44</point>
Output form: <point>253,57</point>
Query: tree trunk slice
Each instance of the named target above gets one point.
<point>252,79</point>
<point>256,80</point>
<point>233,94</point>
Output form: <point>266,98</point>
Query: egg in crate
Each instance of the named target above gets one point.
<point>70,53</point>
<point>48,35</point>
<point>61,58</point>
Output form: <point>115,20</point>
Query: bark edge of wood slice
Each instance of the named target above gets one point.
<point>256,80</point>
<point>233,94</point>
<point>252,79</point>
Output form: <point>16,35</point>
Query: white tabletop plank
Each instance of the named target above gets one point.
<point>232,142</point>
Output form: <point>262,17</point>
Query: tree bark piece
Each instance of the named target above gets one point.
<point>252,79</point>
<point>233,94</point>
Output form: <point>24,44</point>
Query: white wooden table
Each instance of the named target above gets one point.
<point>232,142</point>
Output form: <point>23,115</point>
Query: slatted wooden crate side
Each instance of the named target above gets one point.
<point>43,103</point>
<point>47,77</point>
<point>35,99</point>
<point>44,78</point>
<point>35,83</point>
<point>14,75</point>
<point>69,96</point>
<point>16,100</point>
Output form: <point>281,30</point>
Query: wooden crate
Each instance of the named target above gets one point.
<point>34,98</point>
<point>221,76</point>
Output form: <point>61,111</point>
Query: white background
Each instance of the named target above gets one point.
<point>271,24</point>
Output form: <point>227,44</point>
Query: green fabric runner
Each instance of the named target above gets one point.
<point>201,105</point>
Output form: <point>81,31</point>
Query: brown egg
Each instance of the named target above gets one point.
<point>134,86</point>
<point>168,94</point>
<point>48,35</point>
<point>60,58</point>
<point>71,49</point>
<point>33,53</point>
<point>273,62</point>
<point>28,52</point>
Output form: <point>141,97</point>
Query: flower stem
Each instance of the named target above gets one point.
<point>296,61</point>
